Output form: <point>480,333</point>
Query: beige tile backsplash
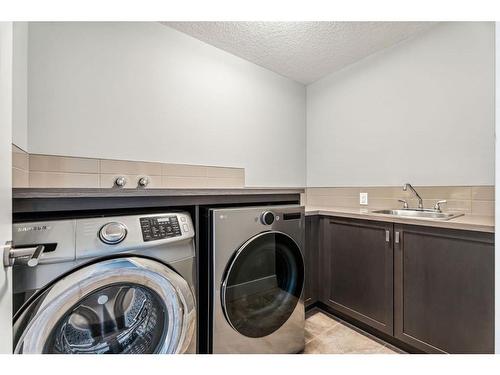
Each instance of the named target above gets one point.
<point>474,200</point>
<point>20,178</point>
<point>52,171</point>
<point>223,182</point>
<point>184,170</point>
<point>63,180</point>
<point>130,167</point>
<point>184,182</point>
<point>20,167</point>
<point>483,193</point>
<point>480,207</point>
<point>62,164</point>
<point>19,158</point>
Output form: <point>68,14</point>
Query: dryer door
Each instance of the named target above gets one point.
<point>263,284</point>
<point>124,305</point>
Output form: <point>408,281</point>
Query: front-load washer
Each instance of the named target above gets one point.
<point>105,285</point>
<point>258,278</point>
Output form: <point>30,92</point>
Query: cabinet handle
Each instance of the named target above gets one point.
<point>387,236</point>
<point>396,238</point>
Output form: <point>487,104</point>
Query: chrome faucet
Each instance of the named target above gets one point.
<point>420,202</point>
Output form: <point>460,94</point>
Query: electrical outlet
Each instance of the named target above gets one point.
<point>363,199</point>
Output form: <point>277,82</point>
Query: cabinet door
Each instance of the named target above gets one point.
<point>444,294</point>
<point>311,260</point>
<point>358,256</point>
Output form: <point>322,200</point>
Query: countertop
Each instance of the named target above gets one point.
<point>31,202</point>
<point>106,193</point>
<point>466,222</point>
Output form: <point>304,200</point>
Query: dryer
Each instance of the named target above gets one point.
<point>105,285</point>
<point>258,277</point>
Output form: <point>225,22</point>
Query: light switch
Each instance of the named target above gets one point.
<point>363,199</point>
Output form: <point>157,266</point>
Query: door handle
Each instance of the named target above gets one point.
<point>6,253</point>
<point>30,255</point>
<point>396,237</point>
<point>387,236</point>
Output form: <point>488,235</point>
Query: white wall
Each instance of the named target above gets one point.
<point>20,85</point>
<point>497,192</point>
<point>421,111</point>
<point>6,38</point>
<point>143,91</point>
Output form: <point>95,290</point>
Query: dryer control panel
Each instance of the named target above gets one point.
<point>160,227</point>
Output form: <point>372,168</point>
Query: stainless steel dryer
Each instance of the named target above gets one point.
<point>258,277</point>
<point>105,285</point>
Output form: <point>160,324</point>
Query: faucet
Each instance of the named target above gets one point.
<point>420,202</point>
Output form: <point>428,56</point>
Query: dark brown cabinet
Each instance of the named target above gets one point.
<point>430,289</point>
<point>444,296</point>
<point>311,260</point>
<point>358,270</point>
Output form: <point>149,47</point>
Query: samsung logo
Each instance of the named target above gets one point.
<point>33,228</point>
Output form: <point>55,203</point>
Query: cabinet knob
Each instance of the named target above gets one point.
<point>387,235</point>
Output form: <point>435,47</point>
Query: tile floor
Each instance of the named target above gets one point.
<point>325,335</point>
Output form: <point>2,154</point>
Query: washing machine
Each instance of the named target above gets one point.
<point>258,278</point>
<point>122,284</point>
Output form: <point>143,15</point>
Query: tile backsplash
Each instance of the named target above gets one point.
<point>473,200</point>
<point>20,167</point>
<point>51,171</point>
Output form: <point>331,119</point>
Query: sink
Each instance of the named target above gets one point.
<point>420,214</point>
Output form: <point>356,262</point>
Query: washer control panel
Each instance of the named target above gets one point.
<point>160,227</point>
<point>108,235</point>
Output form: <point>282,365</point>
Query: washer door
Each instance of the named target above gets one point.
<point>263,284</point>
<point>124,305</point>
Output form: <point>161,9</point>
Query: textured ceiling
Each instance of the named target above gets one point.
<point>303,51</point>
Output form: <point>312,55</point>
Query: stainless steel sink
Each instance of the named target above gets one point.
<point>420,214</point>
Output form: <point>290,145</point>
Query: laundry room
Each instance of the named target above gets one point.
<point>225,186</point>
